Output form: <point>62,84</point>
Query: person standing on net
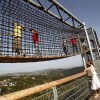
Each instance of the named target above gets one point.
<point>74,43</point>
<point>65,46</point>
<point>35,38</point>
<point>17,39</point>
<point>95,84</point>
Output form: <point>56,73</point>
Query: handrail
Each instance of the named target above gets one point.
<point>39,88</point>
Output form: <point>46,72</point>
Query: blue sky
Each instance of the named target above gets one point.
<point>29,67</point>
<point>85,10</point>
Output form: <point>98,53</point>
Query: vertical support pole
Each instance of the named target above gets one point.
<point>97,48</point>
<point>90,48</point>
<point>84,61</point>
<point>80,49</point>
<point>55,93</point>
<point>73,22</point>
<point>94,35</point>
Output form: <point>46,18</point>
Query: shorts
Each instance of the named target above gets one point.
<point>17,44</point>
<point>83,44</point>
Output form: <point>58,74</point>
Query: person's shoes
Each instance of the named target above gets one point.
<point>24,55</point>
<point>95,96</point>
<point>98,94</point>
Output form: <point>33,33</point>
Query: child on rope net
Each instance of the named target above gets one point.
<point>95,83</point>
<point>17,39</point>
<point>65,46</point>
<point>35,39</point>
<point>74,43</point>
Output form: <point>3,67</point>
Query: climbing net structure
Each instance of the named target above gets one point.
<point>19,17</point>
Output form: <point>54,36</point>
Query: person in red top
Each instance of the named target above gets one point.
<point>74,43</point>
<point>35,38</point>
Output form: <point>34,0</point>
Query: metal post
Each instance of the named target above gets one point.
<point>96,61</point>
<point>55,93</point>
<point>96,42</point>
<point>84,61</point>
<point>88,42</point>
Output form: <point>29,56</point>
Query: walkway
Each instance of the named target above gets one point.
<point>98,98</point>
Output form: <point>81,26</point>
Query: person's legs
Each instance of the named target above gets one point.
<point>15,46</point>
<point>18,45</point>
<point>95,95</point>
<point>89,57</point>
<point>76,48</point>
<point>84,46</point>
<point>0,52</point>
<point>93,44</point>
<point>65,51</point>
<point>37,49</point>
<point>18,51</point>
<point>99,91</point>
<point>81,46</point>
<point>68,50</point>
<point>73,48</point>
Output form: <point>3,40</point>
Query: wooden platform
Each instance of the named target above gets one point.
<point>16,59</point>
<point>92,98</point>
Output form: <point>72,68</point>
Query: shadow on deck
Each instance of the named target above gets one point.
<point>92,98</point>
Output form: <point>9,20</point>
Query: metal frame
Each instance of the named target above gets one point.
<point>92,35</point>
<point>70,17</point>
<point>51,31</point>
<point>55,93</point>
<point>96,41</point>
<point>88,42</point>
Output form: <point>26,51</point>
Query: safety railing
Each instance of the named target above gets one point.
<point>76,90</point>
<point>75,87</point>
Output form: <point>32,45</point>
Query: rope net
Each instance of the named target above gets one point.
<point>19,20</point>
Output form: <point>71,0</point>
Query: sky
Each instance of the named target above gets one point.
<point>30,67</point>
<point>85,10</point>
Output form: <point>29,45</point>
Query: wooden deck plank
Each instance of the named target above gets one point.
<point>18,59</point>
<point>92,98</point>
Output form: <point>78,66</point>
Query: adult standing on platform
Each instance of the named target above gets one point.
<point>95,84</point>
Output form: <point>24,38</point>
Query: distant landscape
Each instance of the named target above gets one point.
<point>18,81</point>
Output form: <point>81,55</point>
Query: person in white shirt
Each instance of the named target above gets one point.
<point>95,84</point>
